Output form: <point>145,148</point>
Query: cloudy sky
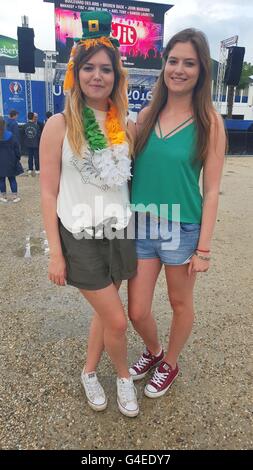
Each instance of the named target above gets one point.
<point>219,19</point>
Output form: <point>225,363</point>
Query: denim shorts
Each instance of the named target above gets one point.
<point>172,242</point>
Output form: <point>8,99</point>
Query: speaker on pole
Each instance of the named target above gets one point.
<point>26,50</point>
<point>234,65</point>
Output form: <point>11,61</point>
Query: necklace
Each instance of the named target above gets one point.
<point>173,130</point>
<point>93,134</point>
<point>105,164</point>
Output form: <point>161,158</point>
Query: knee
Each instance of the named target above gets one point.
<point>119,327</point>
<point>137,314</point>
<point>181,306</point>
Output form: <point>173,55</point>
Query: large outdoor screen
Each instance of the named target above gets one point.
<point>137,25</point>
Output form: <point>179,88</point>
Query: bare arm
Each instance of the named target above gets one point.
<point>50,170</point>
<point>212,173</point>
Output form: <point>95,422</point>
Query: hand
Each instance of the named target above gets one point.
<point>198,265</point>
<point>57,270</point>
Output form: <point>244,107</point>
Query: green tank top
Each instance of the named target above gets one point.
<point>167,172</point>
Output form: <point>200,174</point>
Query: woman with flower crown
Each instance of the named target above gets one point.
<point>85,168</point>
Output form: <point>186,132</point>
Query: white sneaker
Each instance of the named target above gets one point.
<point>37,172</point>
<point>16,199</point>
<point>29,172</point>
<point>3,199</point>
<point>127,397</point>
<point>94,391</point>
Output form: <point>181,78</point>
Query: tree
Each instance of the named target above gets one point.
<point>247,71</point>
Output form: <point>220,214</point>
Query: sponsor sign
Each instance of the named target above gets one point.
<point>8,47</point>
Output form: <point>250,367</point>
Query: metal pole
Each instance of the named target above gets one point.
<point>49,77</point>
<point>224,45</point>
<point>28,85</point>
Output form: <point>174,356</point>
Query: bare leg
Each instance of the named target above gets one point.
<point>180,289</point>
<point>106,302</point>
<point>140,296</point>
<point>95,341</point>
<point>95,344</point>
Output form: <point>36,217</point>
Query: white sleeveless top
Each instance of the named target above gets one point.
<point>84,200</point>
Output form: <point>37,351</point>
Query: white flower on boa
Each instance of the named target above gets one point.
<point>113,164</point>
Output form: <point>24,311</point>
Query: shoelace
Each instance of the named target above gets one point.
<point>127,391</point>
<point>94,387</point>
<point>159,377</point>
<point>143,361</point>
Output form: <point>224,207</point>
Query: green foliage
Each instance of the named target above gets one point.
<point>247,70</point>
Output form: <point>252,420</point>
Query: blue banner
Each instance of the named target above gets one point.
<point>39,99</point>
<point>138,97</point>
<point>59,98</point>
<point>13,96</point>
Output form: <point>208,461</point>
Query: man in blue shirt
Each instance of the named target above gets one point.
<point>12,125</point>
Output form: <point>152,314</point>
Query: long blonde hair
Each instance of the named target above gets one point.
<point>203,109</point>
<point>75,100</point>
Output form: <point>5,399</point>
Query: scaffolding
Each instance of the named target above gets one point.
<point>49,78</point>
<point>28,92</point>
<point>224,45</point>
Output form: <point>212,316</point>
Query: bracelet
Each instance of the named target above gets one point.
<point>203,251</point>
<point>204,258</point>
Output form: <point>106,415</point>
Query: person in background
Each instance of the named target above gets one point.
<point>48,115</point>
<point>39,123</point>
<point>12,125</point>
<point>178,135</point>
<point>10,165</point>
<point>31,132</point>
<point>85,168</point>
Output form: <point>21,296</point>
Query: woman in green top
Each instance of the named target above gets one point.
<point>178,134</point>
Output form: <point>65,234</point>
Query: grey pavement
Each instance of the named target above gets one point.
<point>43,339</point>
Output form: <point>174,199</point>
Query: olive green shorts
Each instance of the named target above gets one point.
<point>96,263</point>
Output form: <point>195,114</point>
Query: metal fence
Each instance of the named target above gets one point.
<point>239,142</point>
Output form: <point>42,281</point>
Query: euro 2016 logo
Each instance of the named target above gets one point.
<point>15,88</point>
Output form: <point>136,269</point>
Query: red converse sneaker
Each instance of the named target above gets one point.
<point>161,381</point>
<point>147,360</point>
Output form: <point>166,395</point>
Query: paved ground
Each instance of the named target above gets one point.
<point>43,338</point>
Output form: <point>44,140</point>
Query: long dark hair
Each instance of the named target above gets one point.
<point>203,108</point>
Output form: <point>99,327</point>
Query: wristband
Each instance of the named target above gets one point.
<point>204,258</point>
